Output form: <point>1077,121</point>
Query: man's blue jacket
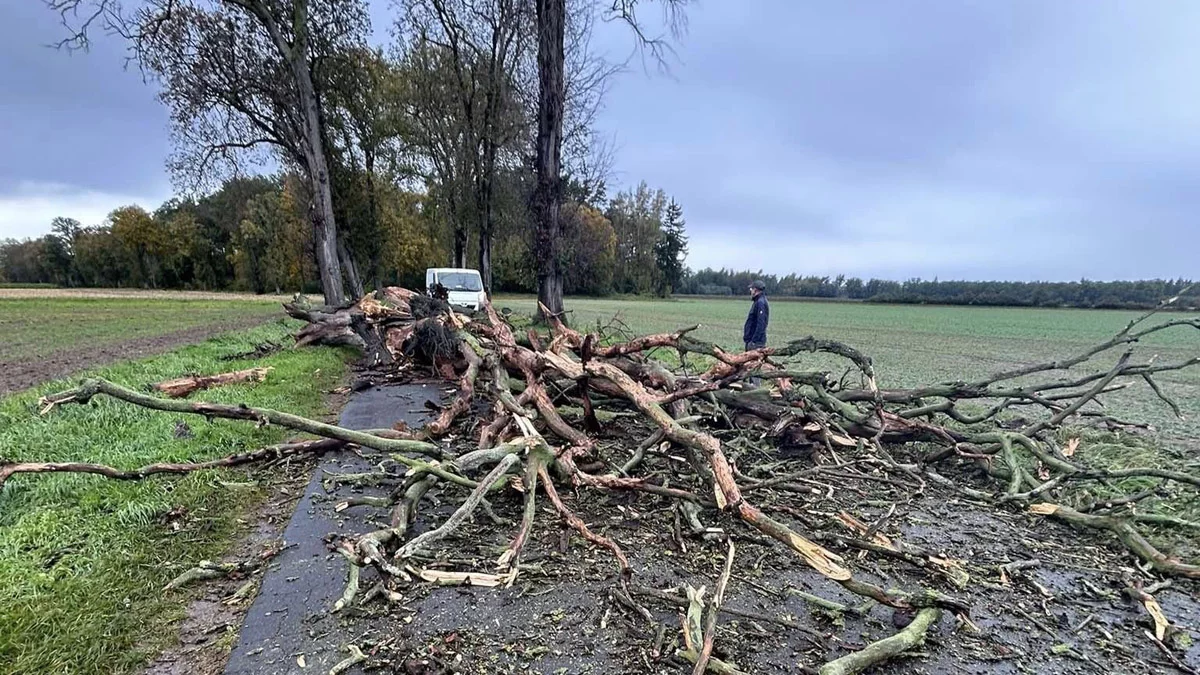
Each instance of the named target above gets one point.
<point>755,330</point>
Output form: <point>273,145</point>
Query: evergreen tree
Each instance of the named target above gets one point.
<point>671,249</point>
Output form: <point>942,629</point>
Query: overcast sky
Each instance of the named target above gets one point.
<point>999,140</point>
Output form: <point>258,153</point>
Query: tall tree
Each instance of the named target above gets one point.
<point>547,198</point>
<point>436,131</point>
<point>481,47</point>
<point>99,258</point>
<point>637,217</point>
<point>22,261</point>
<point>143,240</point>
<point>68,231</point>
<point>410,243</point>
<point>366,131</point>
<point>239,76</point>
<point>591,248</point>
<point>55,260</point>
<point>671,249</point>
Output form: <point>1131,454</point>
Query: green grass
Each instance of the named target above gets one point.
<point>34,328</point>
<point>83,558</point>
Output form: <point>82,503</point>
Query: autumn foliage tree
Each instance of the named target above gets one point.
<point>590,245</point>
<point>143,239</point>
<point>249,235</point>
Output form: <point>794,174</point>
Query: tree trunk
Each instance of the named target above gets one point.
<point>325,239</point>
<point>143,274</point>
<point>373,214</point>
<point>486,219</point>
<point>460,244</point>
<point>351,269</point>
<point>485,261</point>
<point>325,231</point>
<point>256,270</point>
<point>547,195</point>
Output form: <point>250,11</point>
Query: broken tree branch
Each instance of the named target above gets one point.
<point>710,625</point>
<point>887,648</point>
<point>90,388</point>
<point>261,455</point>
<point>186,386</point>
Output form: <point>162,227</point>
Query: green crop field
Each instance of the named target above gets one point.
<point>913,344</point>
<point>41,323</point>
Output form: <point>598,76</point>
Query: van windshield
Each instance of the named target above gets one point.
<point>460,281</point>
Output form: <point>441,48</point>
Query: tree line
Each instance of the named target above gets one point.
<point>1082,294</point>
<point>254,235</point>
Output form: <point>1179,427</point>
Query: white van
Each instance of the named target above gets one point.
<point>464,286</point>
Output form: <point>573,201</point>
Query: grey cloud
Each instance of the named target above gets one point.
<point>1009,140</point>
<point>78,119</point>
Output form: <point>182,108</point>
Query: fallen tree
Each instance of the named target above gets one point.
<point>956,436</point>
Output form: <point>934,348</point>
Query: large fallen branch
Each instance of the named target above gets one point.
<point>90,388</point>
<point>1134,540</point>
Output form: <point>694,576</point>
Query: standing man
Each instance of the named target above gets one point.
<point>754,334</point>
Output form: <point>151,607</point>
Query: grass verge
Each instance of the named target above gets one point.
<point>83,559</point>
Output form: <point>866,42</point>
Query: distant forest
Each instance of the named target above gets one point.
<point>1083,293</point>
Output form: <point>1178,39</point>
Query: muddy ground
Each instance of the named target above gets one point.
<point>1067,614</point>
<point>561,616</point>
<point>19,375</point>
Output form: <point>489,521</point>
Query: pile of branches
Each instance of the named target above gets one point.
<point>932,435</point>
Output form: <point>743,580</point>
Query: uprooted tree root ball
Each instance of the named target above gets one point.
<point>958,437</point>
